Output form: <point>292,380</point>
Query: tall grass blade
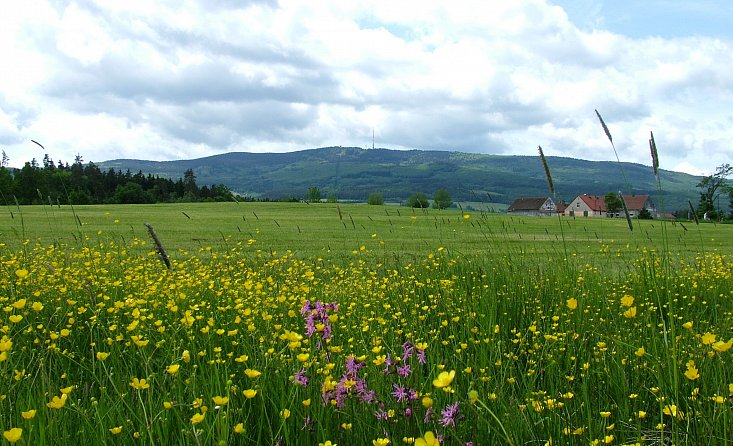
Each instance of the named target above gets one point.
<point>610,138</point>
<point>547,171</point>
<point>626,211</point>
<point>158,246</point>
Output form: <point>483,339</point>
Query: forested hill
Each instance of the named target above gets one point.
<point>352,173</point>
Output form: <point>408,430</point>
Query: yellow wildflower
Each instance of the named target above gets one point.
<point>722,347</point>
<point>197,418</point>
<point>429,439</point>
<point>572,303</point>
<point>249,393</point>
<point>239,428</point>
<point>115,430</point>
<point>691,373</point>
<point>57,402</point>
<point>220,400</point>
<point>13,435</point>
<point>252,373</point>
<point>444,379</point>
<point>708,338</point>
<point>173,369</point>
<point>28,414</point>
<point>139,384</point>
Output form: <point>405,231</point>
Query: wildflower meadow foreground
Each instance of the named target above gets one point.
<point>242,344</point>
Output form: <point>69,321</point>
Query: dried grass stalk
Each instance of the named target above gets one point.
<point>605,128</point>
<point>694,214</point>
<point>547,170</point>
<point>158,246</point>
<point>626,211</point>
<point>655,156</point>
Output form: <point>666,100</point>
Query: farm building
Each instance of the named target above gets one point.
<point>537,206</point>
<point>595,206</point>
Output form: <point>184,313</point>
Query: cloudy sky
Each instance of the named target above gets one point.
<point>166,80</point>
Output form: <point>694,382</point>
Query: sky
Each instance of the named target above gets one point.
<point>183,79</point>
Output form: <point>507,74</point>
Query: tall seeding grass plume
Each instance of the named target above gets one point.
<point>281,324</point>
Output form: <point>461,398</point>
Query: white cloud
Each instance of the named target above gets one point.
<point>169,79</point>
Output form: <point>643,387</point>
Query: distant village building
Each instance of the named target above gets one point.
<point>536,206</point>
<point>595,206</point>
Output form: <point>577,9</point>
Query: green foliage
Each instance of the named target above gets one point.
<point>132,193</point>
<point>376,199</point>
<point>331,198</point>
<point>644,214</point>
<point>613,203</point>
<point>314,194</point>
<point>88,184</point>
<point>442,199</point>
<point>711,187</point>
<point>418,200</point>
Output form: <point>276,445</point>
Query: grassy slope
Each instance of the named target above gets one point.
<point>352,173</point>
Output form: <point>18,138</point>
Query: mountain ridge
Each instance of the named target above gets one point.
<point>352,173</point>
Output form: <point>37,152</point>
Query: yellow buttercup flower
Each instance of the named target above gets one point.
<point>28,414</point>
<point>139,384</point>
<point>429,439</point>
<point>285,414</point>
<point>252,373</point>
<point>691,373</point>
<point>627,301</point>
<point>249,393</point>
<point>722,347</point>
<point>708,338</point>
<point>115,430</point>
<point>198,418</point>
<point>673,411</point>
<point>640,352</point>
<point>239,428</point>
<point>220,400</point>
<point>101,356</point>
<point>14,434</point>
<point>57,402</point>
<point>173,369</point>
<point>572,303</point>
<point>381,442</point>
<point>444,379</point>
<point>21,273</point>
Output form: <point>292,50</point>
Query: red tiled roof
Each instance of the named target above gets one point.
<point>597,203</point>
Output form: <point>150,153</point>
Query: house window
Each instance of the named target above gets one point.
<point>577,205</point>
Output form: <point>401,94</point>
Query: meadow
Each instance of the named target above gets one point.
<point>310,324</point>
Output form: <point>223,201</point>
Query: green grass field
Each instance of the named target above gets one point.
<point>297,324</point>
<point>336,230</point>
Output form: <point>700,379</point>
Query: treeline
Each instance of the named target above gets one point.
<point>80,183</point>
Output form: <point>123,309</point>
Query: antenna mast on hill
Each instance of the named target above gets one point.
<point>372,138</point>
